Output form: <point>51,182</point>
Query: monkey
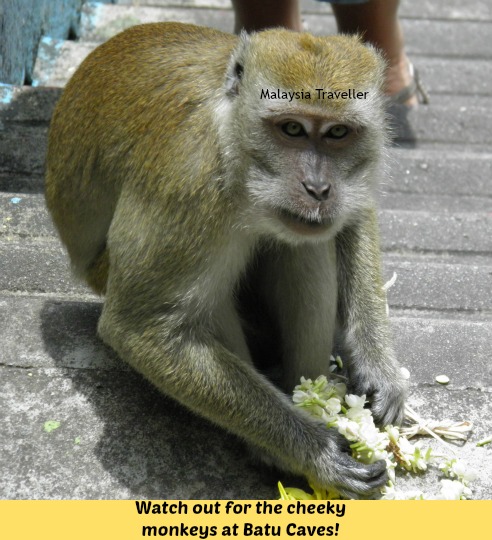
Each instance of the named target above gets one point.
<point>191,198</point>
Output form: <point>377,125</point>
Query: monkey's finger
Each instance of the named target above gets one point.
<point>372,471</point>
<point>388,408</point>
<point>356,488</point>
<point>374,474</point>
<point>355,468</point>
<point>361,479</point>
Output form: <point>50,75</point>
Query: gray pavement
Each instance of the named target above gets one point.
<point>118,437</point>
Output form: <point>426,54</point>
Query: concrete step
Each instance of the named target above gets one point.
<point>411,202</point>
<point>428,346</point>
<point>454,76</point>
<point>36,266</point>
<point>474,10</point>
<point>117,440</point>
<point>440,172</point>
<point>57,60</point>
<point>99,21</point>
<point>22,149</point>
<point>429,37</point>
<point>24,216</point>
<point>25,105</point>
<point>439,285</point>
<point>25,113</point>
<point>48,331</point>
<point>444,123</point>
<point>418,230</point>
<point>21,182</point>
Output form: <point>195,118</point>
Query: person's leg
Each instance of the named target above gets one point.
<point>377,22</point>
<point>260,14</point>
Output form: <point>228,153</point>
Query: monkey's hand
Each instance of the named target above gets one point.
<point>384,388</point>
<point>325,459</point>
<point>334,467</point>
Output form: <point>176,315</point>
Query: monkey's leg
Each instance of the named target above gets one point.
<point>301,283</point>
<point>189,363</point>
<point>373,369</point>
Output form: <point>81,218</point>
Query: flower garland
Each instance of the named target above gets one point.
<point>328,400</point>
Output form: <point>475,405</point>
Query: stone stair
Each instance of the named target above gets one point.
<point>119,438</point>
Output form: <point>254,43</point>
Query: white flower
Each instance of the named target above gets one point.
<point>299,396</point>
<point>317,410</point>
<point>454,490</point>
<point>349,429</point>
<point>362,416</point>
<point>333,405</point>
<point>378,440</point>
<point>390,493</point>
<point>464,474</point>
<point>414,458</point>
<point>390,468</point>
<point>393,433</point>
<point>355,401</point>
<point>456,469</point>
<point>370,434</point>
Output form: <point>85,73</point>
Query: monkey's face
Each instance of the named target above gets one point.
<point>309,173</point>
<point>306,129</point>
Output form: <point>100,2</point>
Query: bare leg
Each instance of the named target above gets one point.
<point>254,15</point>
<point>377,22</point>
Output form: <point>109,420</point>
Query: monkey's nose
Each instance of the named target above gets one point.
<point>320,192</point>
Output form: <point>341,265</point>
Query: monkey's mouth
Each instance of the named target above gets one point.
<point>303,224</point>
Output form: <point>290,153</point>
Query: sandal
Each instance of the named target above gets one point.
<point>414,88</point>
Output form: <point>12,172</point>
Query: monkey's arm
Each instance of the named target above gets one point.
<point>364,324</point>
<point>191,365</point>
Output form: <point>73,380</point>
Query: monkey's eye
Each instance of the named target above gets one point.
<point>293,129</point>
<point>337,132</point>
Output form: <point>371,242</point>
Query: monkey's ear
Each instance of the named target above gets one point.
<point>235,69</point>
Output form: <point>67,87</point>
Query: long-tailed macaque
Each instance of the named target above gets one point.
<point>195,177</point>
